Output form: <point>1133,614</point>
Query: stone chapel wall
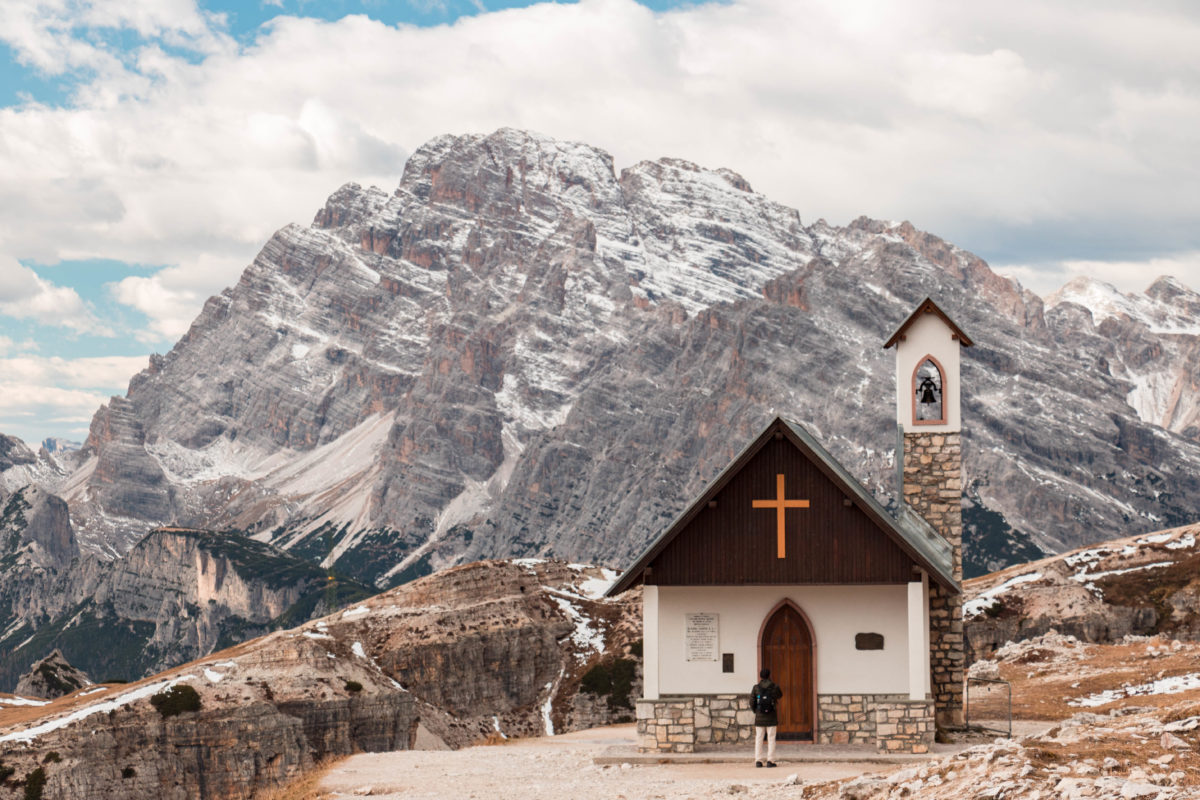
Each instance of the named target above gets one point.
<point>933,488</point>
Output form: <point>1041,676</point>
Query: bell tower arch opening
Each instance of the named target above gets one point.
<point>929,392</point>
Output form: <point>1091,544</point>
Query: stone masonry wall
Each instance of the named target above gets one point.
<point>666,725</point>
<point>904,726</point>
<point>681,724</point>
<point>933,488</point>
<point>849,718</point>
<point>723,719</point>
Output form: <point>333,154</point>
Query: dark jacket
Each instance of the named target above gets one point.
<point>766,688</point>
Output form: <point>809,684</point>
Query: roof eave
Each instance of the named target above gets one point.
<point>924,307</point>
<point>922,544</point>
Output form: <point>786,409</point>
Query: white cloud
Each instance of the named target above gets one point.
<point>40,396</point>
<point>171,297</point>
<point>961,118</point>
<point>74,373</point>
<point>25,295</point>
<point>1128,275</point>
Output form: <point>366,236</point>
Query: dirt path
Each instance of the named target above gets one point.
<point>561,768</point>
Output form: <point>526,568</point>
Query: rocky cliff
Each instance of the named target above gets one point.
<point>488,650</point>
<point>1142,585</point>
<point>519,352</point>
<point>51,677</point>
<point>176,595</point>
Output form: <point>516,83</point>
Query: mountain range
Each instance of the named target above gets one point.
<point>520,352</point>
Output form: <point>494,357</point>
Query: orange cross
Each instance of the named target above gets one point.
<point>781,506</point>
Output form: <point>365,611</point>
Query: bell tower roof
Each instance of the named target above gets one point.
<point>927,306</point>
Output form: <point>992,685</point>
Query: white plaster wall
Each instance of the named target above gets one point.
<point>837,613</point>
<point>928,335</point>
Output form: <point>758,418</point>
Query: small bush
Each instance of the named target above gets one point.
<point>635,649</point>
<point>52,757</point>
<point>176,700</point>
<point>611,678</point>
<point>6,772</point>
<point>128,772</point>
<point>353,686</point>
<point>35,784</point>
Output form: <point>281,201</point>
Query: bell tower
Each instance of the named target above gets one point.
<point>929,425</point>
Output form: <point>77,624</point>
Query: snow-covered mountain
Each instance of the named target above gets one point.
<point>1158,335</point>
<point>521,353</point>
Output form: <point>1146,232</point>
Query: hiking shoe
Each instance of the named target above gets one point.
<point>758,763</point>
<point>772,764</point>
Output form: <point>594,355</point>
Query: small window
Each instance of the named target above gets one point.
<point>726,662</point>
<point>928,390</point>
<point>868,641</point>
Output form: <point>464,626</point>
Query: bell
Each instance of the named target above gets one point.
<point>927,396</point>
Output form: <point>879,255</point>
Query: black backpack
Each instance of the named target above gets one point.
<point>761,703</point>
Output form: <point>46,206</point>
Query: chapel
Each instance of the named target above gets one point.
<point>785,561</point>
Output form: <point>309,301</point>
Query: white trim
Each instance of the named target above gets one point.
<point>650,642</point>
<point>927,666</point>
<point>918,654</point>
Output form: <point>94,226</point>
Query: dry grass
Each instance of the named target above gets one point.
<point>1041,687</point>
<point>493,740</point>
<point>303,787</point>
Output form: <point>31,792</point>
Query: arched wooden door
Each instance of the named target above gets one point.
<point>786,648</point>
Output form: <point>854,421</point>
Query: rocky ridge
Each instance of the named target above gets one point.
<point>52,677</point>
<point>1139,585</point>
<point>176,595</point>
<point>494,650</point>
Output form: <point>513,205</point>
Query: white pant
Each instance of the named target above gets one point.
<point>759,732</point>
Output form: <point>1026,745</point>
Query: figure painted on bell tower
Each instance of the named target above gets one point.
<point>928,382</point>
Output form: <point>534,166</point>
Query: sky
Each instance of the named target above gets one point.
<point>149,148</point>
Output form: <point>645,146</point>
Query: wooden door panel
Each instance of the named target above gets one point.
<point>787,652</point>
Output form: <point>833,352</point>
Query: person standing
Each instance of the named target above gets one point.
<point>764,697</point>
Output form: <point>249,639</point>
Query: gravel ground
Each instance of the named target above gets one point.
<point>561,767</point>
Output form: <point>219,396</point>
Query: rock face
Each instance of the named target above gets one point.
<point>51,677</point>
<point>1139,586</point>
<point>13,452</point>
<point>178,594</point>
<point>519,352</point>
<point>493,649</point>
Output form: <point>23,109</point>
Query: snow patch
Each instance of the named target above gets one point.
<point>358,650</point>
<point>212,676</point>
<point>1172,685</point>
<point>1083,577</point>
<point>990,598</point>
<point>357,611</point>
<point>28,735</point>
<point>23,701</point>
<point>585,636</point>
<point>595,588</point>
<point>1185,541</point>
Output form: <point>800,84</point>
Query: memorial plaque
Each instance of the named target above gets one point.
<point>701,637</point>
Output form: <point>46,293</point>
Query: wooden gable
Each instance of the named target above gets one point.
<point>842,537</point>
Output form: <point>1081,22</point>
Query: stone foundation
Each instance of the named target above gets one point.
<point>904,726</point>
<point>666,726</point>
<point>680,724</point>
<point>723,719</point>
<point>685,724</point>
<point>849,718</point>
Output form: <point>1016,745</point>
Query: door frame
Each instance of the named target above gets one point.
<point>812,637</point>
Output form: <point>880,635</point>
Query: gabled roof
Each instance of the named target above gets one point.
<point>910,531</point>
<point>927,306</point>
